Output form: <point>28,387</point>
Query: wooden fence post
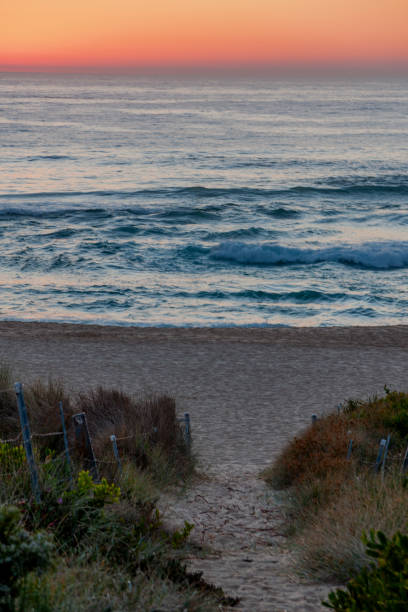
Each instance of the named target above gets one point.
<point>64,431</point>
<point>383,442</point>
<point>25,428</point>
<point>187,429</point>
<point>116,452</point>
<point>404,465</point>
<point>387,443</point>
<point>84,439</point>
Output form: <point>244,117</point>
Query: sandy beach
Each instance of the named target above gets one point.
<point>248,391</point>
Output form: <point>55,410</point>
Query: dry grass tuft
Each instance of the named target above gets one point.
<point>145,428</point>
<point>330,545</point>
<point>332,500</point>
<point>322,448</point>
<point>42,401</point>
<point>112,411</point>
<point>10,424</point>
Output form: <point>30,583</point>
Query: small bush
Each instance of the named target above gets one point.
<point>12,457</point>
<point>381,586</point>
<point>321,449</point>
<point>100,493</point>
<point>20,554</point>
<point>71,514</point>
<point>390,412</point>
<point>147,430</point>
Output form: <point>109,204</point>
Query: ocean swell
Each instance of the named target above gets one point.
<point>328,187</point>
<point>376,255</point>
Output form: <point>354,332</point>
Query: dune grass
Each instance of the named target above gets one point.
<point>332,500</point>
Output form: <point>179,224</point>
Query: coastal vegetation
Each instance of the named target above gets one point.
<point>91,543</point>
<point>340,485</point>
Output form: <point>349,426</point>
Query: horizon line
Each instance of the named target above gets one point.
<point>399,67</point>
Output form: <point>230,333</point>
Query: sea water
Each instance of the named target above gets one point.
<point>203,201</point>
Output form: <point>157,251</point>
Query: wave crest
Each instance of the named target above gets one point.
<point>377,255</point>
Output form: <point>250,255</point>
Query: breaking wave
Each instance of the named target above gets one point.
<point>377,255</point>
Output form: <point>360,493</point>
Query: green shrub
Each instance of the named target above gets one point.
<point>179,537</point>
<point>382,585</point>
<point>101,493</point>
<point>20,554</point>
<point>71,514</point>
<point>12,458</point>
<point>381,413</point>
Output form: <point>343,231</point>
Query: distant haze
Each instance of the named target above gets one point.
<point>188,35</point>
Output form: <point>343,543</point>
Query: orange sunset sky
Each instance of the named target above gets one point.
<point>69,33</point>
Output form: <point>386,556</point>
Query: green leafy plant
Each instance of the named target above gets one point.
<point>179,537</point>
<point>383,585</point>
<point>71,513</point>
<point>100,492</point>
<point>21,553</point>
<point>12,458</point>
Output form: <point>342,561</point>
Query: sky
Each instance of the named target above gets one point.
<point>39,34</point>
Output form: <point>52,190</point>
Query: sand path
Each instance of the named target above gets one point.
<point>239,521</point>
<point>248,391</point>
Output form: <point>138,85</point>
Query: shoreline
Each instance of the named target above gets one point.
<point>352,335</point>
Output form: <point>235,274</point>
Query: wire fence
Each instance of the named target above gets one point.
<point>20,455</point>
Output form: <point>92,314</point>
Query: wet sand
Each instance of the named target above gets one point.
<point>248,392</point>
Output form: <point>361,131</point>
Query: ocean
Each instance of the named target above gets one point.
<point>203,201</point>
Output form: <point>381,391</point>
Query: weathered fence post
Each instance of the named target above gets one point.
<point>84,439</point>
<point>404,465</point>
<point>25,428</point>
<point>116,452</point>
<point>383,442</point>
<point>350,448</point>
<point>187,429</point>
<point>64,431</point>
<point>387,443</point>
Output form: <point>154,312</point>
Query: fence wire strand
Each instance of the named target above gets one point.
<point>46,435</point>
<point>11,440</point>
